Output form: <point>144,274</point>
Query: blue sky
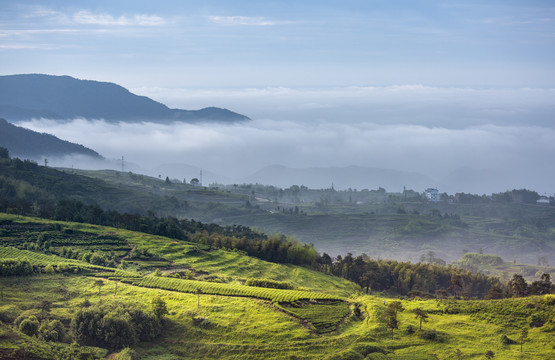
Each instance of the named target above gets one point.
<point>283,43</point>
<point>424,86</point>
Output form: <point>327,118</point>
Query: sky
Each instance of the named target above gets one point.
<point>426,86</point>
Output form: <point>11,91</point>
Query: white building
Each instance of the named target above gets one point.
<point>432,194</point>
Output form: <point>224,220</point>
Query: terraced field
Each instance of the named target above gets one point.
<point>323,318</point>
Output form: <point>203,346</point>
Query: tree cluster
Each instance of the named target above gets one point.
<point>518,286</point>
<point>17,267</point>
<point>115,325</point>
<point>405,278</point>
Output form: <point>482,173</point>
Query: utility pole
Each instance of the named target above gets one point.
<point>45,162</point>
<point>122,164</point>
<point>201,178</point>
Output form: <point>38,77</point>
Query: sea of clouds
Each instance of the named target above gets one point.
<point>508,133</point>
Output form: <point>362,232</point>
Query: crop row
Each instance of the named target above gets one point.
<point>192,286</point>
<point>86,241</point>
<point>324,317</point>
<point>42,260</point>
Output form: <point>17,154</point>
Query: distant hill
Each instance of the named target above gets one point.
<point>63,97</point>
<point>341,177</point>
<point>28,144</point>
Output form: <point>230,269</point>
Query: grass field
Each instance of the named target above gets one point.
<point>215,326</point>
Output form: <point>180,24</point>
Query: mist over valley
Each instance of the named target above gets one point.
<point>315,180</point>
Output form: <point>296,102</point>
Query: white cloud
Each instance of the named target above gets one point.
<point>245,21</point>
<point>402,104</point>
<point>88,17</point>
<point>429,130</point>
<point>91,18</point>
<point>237,150</point>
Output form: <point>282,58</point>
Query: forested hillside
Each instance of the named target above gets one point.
<point>28,144</point>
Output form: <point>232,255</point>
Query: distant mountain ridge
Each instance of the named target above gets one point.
<point>341,177</point>
<point>27,96</point>
<point>28,144</point>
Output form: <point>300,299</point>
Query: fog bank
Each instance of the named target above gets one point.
<point>502,138</point>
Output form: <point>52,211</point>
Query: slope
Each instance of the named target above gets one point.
<point>28,144</point>
<point>208,325</point>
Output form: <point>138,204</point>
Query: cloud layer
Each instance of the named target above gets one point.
<point>433,131</point>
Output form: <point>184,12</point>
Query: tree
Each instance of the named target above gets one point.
<point>391,321</point>
<point>542,286</point>
<point>52,331</point>
<point>396,306</point>
<point>390,315</point>
<point>159,308</point>
<point>100,284</point>
<point>4,153</point>
<point>518,285</point>
<point>195,181</point>
<point>495,292</point>
<point>199,291</point>
<point>456,283</point>
<point>422,315</point>
<point>523,336</point>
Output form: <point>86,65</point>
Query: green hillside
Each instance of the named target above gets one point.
<point>494,265</point>
<point>214,314</point>
<point>398,228</point>
<point>385,225</point>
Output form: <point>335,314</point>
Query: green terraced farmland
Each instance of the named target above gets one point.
<point>324,316</point>
<point>191,286</point>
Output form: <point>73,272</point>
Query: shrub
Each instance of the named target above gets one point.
<point>428,335</point>
<point>201,322</point>
<point>159,308</point>
<point>52,331</point>
<point>29,326</point>
<point>127,354</point>
<point>267,283</point>
<point>7,316</point>
<point>97,259</point>
<point>15,267</point>
<point>49,269</point>
<point>538,319</point>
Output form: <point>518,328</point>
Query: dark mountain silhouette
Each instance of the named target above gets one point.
<point>63,97</point>
<point>28,144</point>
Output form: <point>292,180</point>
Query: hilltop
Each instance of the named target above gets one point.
<point>63,97</point>
<point>29,144</point>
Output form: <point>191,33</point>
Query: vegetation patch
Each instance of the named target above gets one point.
<point>203,287</point>
<point>322,316</point>
<point>267,283</point>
